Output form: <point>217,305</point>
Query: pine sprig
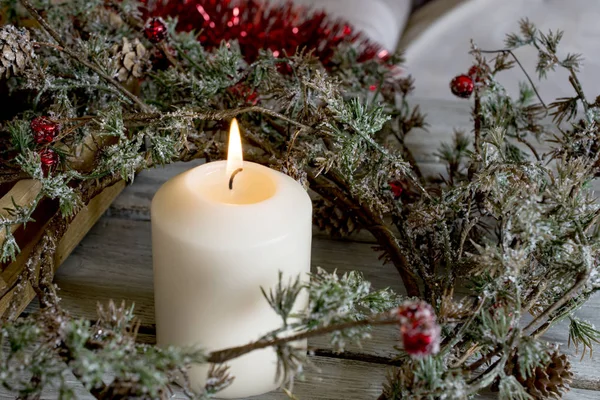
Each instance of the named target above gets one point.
<point>283,297</point>
<point>583,333</point>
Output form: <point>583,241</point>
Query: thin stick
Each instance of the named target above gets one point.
<point>458,336</point>
<point>222,356</point>
<point>477,123</point>
<point>533,150</point>
<point>408,155</point>
<point>165,50</point>
<point>581,280</point>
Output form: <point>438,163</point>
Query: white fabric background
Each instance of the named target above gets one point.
<point>381,20</point>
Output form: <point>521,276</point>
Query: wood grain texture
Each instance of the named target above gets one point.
<point>78,228</point>
<point>23,193</point>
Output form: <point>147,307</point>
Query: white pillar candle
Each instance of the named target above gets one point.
<point>214,248</point>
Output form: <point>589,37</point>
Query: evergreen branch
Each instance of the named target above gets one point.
<point>457,337</point>
<point>54,231</point>
<point>528,144</point>
<point>584,333</point>
<point>81,58</point>
<point>509,51</point>
<point>17,215</point>
<point>203,114</point>
<point>408,155</point>
<point>574,81</point>
<point>487,377</point>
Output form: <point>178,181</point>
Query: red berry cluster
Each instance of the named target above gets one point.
<point>44,132</point>
<point>419,329</point>
<point>464,84</point>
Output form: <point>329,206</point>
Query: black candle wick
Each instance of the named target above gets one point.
<point>237,171</point>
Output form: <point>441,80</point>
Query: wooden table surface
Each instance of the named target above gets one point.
<point>114,262</point>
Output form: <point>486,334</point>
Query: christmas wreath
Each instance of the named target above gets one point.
<point>136,87</point>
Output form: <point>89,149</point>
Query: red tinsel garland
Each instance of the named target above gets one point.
<point>283,29</point>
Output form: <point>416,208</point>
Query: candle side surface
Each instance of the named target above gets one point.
<point>210,260</point>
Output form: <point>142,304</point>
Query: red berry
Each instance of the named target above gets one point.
<point>397,189</point>
<point>422,340</point>
<point>155,30</point>
<point>44,130</point>
<point>252,98</point>
<point>462,86</point>
<point>415,311</point>
<point>419,329</point>
<point>49,160</point>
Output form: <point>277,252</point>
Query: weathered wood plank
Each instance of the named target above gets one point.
<point>424,17</point>
<point>74,234</point>
<point>23,193</point>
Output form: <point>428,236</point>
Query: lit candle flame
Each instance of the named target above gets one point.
<point>235,160</point>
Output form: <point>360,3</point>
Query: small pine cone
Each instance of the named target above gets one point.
<point>550,381</point>
<point>132,60</point>
<point>17,50</point>
<point>333,220</point>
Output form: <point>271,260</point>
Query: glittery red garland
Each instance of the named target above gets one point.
<point>256,25</point>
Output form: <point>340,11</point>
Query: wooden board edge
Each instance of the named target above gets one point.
<point>78,228</point>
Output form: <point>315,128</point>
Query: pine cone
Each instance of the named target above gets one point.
<point>333,220</point>
<point>549,381</point>
<point>17,50</point>
<point>132,60</point>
